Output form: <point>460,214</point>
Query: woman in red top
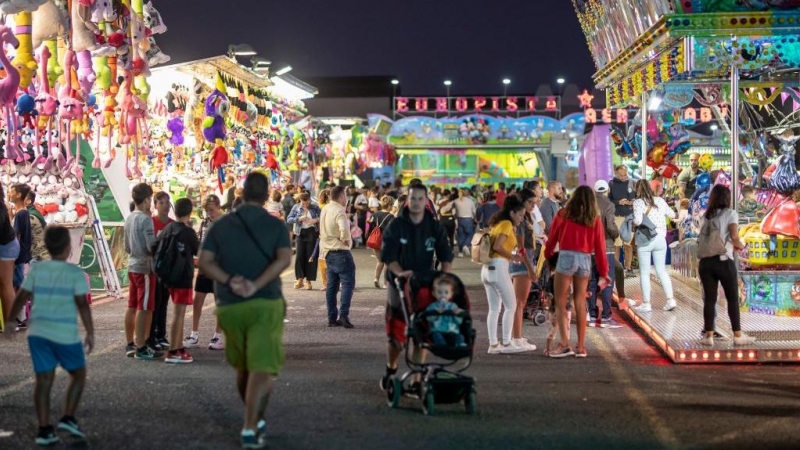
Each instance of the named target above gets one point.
<point>578,232</point>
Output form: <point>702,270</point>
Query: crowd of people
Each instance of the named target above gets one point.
<point>411,229</point>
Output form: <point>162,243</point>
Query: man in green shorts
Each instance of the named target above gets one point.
<point>245,253</point>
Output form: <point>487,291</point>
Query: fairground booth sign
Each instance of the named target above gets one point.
<point>495,105</point>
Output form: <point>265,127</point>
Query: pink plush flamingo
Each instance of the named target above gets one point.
<point>46,104</point>
<point>8,92</point>
<point>132,123</point>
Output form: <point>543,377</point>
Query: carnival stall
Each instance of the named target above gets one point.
<point>739,61</point>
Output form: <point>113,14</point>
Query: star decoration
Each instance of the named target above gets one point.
<point>585,99</point>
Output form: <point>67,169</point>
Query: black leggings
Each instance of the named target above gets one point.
<point>714,271</point>
<point>449,225</point>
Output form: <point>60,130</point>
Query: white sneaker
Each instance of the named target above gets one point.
<point>216,344</point>
<point>511,348</point>
<point>707,340</point>
<point>460,254</point>
<point>644,307</point>
<point>191,341</point>
<point>743,340</point>
<point>494,350</point>
<point>671,304</point>
<point>631,302</point>
<point>466,250</point>
<point>523,343</point>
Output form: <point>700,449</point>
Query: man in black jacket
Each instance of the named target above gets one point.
<point>409,244</point>
<point>621,194</point>
<point>606,210</point>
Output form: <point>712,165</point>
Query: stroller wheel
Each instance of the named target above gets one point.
<point>428,401</point>
<point>470,401</point>
<point>539,318</point>
<point>394,392</point>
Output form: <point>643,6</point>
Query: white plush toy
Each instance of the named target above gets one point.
<point>9,7</point>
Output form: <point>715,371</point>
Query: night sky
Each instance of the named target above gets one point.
<point>476,43</point>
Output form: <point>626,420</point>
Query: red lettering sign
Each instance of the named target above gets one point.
<point>421,104</point>
<point>511,104</point>
<point>461,104</point>
<point>441,105</point>
<point>480,102</point>
<point>401,104</point>
<point>495,104</point>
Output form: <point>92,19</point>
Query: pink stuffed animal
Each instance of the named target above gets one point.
<point>8,92</point>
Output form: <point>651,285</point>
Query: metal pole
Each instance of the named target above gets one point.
<point>734,130</point>
<point>643,148</point>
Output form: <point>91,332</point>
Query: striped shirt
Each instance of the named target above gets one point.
<point>54,285</point>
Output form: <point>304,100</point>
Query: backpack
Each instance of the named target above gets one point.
<point>481,246</point>
<point>709,242</point>
<point>626,229</point>
<point>172,259</point>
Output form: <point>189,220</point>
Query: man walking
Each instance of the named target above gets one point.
<point>621,194</point>
<point>334,243</point>
<point>244,254</point>
<point>606,209</point>
<point>409,244</point>
<point>139,238</point>
<point>465,213</point>
<point>551,204</point>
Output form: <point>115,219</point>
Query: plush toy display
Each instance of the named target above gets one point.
<point>216,108</point>
<point>8,92</point>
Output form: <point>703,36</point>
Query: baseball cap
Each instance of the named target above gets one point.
<point>601,186</point>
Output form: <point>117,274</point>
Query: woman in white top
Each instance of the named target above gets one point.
<point>719,267</point>
<point>465,221</point>
<point>657,210</point>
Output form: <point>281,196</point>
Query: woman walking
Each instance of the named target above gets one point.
<point>9,251</point>
<point>522,273</point>
<point>495,276</point>
<point>381,219</point>
<point>578,232</point>
<point>304,217</point>
<point>719,236</point>
<point>657,211</point>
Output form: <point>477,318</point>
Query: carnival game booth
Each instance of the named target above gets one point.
<point>480,140</point>
<point>740,61</point>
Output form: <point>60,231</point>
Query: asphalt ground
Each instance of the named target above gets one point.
<point>624,395</point>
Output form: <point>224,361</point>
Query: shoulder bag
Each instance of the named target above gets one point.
<point>646,231</point>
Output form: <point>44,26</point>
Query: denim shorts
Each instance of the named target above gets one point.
<point>517,269</point>
<point>574,263</point>
<point>10,251</point>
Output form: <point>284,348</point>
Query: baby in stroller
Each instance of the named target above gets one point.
<point>445,329</point>
<point>435,307</point>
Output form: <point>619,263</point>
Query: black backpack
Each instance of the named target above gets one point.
<point>172,259</point>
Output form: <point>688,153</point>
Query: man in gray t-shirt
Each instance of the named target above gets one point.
<point>551,204</point>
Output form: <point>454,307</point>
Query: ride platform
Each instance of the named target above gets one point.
<point>678,332</point>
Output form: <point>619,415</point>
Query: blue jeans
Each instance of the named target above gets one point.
<point>605,294</point>
<point>466,228</point>
<point>341,269</point>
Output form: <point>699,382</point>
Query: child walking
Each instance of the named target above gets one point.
<point>58,290</point>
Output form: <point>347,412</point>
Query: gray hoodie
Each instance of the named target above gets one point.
<point>139,238</point>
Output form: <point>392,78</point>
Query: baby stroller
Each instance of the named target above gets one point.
<point>438,382</point>
<point>536,306</point>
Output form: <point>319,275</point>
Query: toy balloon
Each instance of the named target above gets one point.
<point>656,156</point>
<point>621,146</point>
<point>668,170</point>
<point>703,181</point>
<point>706,162</point>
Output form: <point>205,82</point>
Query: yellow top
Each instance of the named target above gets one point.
<point>504,227</point>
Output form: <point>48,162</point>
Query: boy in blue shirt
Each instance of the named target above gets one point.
<point>58,290</point>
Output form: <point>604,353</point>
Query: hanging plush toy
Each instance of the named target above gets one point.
<point>8,91</point>
<point>785,178</point>
<point>175,126</point>
<point>23,60</point>
<point>216,108</point>
<point>219,157</point>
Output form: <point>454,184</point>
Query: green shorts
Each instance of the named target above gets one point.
<point>254,334</point>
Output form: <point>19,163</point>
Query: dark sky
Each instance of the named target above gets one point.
<point>476,43</point>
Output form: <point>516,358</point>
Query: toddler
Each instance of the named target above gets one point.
<point>446,328</point>
<point>274,207</point>
<point>550,294</point>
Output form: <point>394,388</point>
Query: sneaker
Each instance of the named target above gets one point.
<point>743,340</point>
<point>460,254</point>
<point>524,344</point>
<point>130,350</point>
<point>147,353</point>
<point>21,325</point>
<point>46,437</point>
<point>70,425</point>
<point>261,428</point>
<point>591,321</point>
<point>216,344</point>
<point>164,343</point>
<point>561,352</point>
<point>494,350</point>
<point>631,302</point>
<point>581,354</point>
<point>630,273</point>
<point>610,323</point>
<point>298,284</point>
<point>191,341</point>
<point>178,357</point>
<point>511,348</point>
<point>643,308</point>
<point>707,340</point>
<point>466,250</point>
<point>156,346</point>
<point>386,378</point>
<point>252,439</point>
<point>671,304</point>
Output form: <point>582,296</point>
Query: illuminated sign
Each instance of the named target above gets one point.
<point>689,115</point>
<point>485,105</point>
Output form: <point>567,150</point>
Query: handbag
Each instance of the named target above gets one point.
<point>646,231</point>
<point>375,239</point>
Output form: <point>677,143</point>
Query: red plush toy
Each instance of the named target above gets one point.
<point>219,157</point>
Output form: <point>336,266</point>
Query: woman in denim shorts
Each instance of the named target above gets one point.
<point>578,232</point>
<point>9,251</point>
<point>522,273</point>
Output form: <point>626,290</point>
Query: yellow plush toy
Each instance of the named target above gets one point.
<point>23,60</point>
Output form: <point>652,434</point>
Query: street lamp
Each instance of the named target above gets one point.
<point>447,84</point>
<point>506,82</point>
<point>259,65</point>
<point>240,50</point>
<point>561,81</point>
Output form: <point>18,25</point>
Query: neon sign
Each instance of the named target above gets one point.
<point>478,104</point>
<point>620,115</point>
